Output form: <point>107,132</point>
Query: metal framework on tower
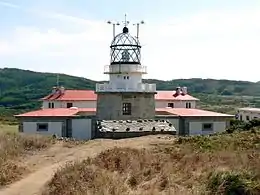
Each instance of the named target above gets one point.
<point>125,49</point>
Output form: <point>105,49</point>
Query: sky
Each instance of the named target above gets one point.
<point>217,39</point>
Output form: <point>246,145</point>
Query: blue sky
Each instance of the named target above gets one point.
<point>181,39</point>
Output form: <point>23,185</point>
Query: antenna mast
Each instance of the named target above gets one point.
<point>58,80</point>
<point>138,27</point>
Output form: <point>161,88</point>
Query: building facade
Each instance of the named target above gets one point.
<point>248,114</point>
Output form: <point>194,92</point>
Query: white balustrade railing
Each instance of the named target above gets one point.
<point>110,69</point>
<point>141,87</point>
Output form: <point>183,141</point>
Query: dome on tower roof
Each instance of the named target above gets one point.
<point>125,49</point>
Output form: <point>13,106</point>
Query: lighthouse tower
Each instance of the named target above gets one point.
<point>125,96</point>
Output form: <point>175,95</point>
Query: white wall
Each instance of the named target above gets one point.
<point>53,128</point>
<point>195,128</point>
<point>252,115</point>
<point>177,104</point>
<point>175,123</point>
<point>81,129</point>
<point>63,104</point>
<point>120,80</point>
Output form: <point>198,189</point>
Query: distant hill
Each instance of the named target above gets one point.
<point>21,89</point>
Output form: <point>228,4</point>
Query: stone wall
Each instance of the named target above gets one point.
<point>110,105</point>
<point>118,129</point>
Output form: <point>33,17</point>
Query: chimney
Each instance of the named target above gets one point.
<point>178,91</point>
<point>54,90</point>
<point>62,90</point>
<point>184,91</point>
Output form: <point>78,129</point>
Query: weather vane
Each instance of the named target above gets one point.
<point>126,22</point>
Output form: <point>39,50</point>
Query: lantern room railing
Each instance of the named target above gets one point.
<point>125,68</point>
<point>141,87</point>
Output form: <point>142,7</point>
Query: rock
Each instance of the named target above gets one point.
<point>127,129</point>
<point>129,121</point>
<point>141,128</point>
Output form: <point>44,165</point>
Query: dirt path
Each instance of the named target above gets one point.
<point>46,163</point>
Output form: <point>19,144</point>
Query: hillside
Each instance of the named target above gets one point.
<point>21,89</point>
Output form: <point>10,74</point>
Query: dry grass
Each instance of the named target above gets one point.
<point>220,164</point>
<point>12,146</point>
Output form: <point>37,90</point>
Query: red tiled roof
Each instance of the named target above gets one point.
<point>63,112</point>
<point>89,95</point>
<point>73,95</point>
<point>191,112</point>
<point>170,95</point>
<point>56,112</point>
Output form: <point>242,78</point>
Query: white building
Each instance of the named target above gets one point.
<point>88,99</point>
<point>248,114</point>
<point>74,113</point>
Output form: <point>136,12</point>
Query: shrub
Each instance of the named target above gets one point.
<point>233,183</point>
<point>13,145</point>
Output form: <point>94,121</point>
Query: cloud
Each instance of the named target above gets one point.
<point>10,5</point>
<point>216,44</point>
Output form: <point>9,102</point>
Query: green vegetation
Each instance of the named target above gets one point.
<point>222,164</point>
<point>20,90</point>
<point>13,146</point>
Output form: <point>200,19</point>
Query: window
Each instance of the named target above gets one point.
<point>69,105</point>
<point>188,105</point>
<point>241,117</point>
<point>127,77</point>
<point>42,127</point>
<point>247,118</point>
<point>171,105</point>
<point>51,105</point>
<point>207,127</point>
<point>127,108</point>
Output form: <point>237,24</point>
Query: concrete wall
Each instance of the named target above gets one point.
<point>194,126</point>
<point>81,129</point>
<point>121,135</point>
<point>53,128</point>
<point>93,104</point>
<point>174,120</point>
<point>121,80</point>
<point>110,105</point>
<point>63,104</point>
<point>177,104</point>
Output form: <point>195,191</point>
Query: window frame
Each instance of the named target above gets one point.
<point>171,103</point>
<point>40,129</point>
<point>126,108</point>
<point>68,104</point>
<point>51,104</point>
<point>207,129</point>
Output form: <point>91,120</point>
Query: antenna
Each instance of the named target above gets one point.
<point>137,28</point>
<point>58,80</point>
<point>114,26</point>
<point>126,22</point>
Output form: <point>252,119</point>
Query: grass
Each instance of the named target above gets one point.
<point>220,164</point>
<point>14,145</point>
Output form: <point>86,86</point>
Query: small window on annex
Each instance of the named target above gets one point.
<point>127,109</point>
<point>171,105</point>
<point>247,118</point>
<point>69,105</point>
<point>51,105</point>
<point>207,127</point>
<point>42,127</point>
<point>188,105</point>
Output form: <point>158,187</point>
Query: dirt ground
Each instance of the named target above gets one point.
<point>45,163</point>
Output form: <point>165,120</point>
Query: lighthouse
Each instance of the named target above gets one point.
<point>125,96</point>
